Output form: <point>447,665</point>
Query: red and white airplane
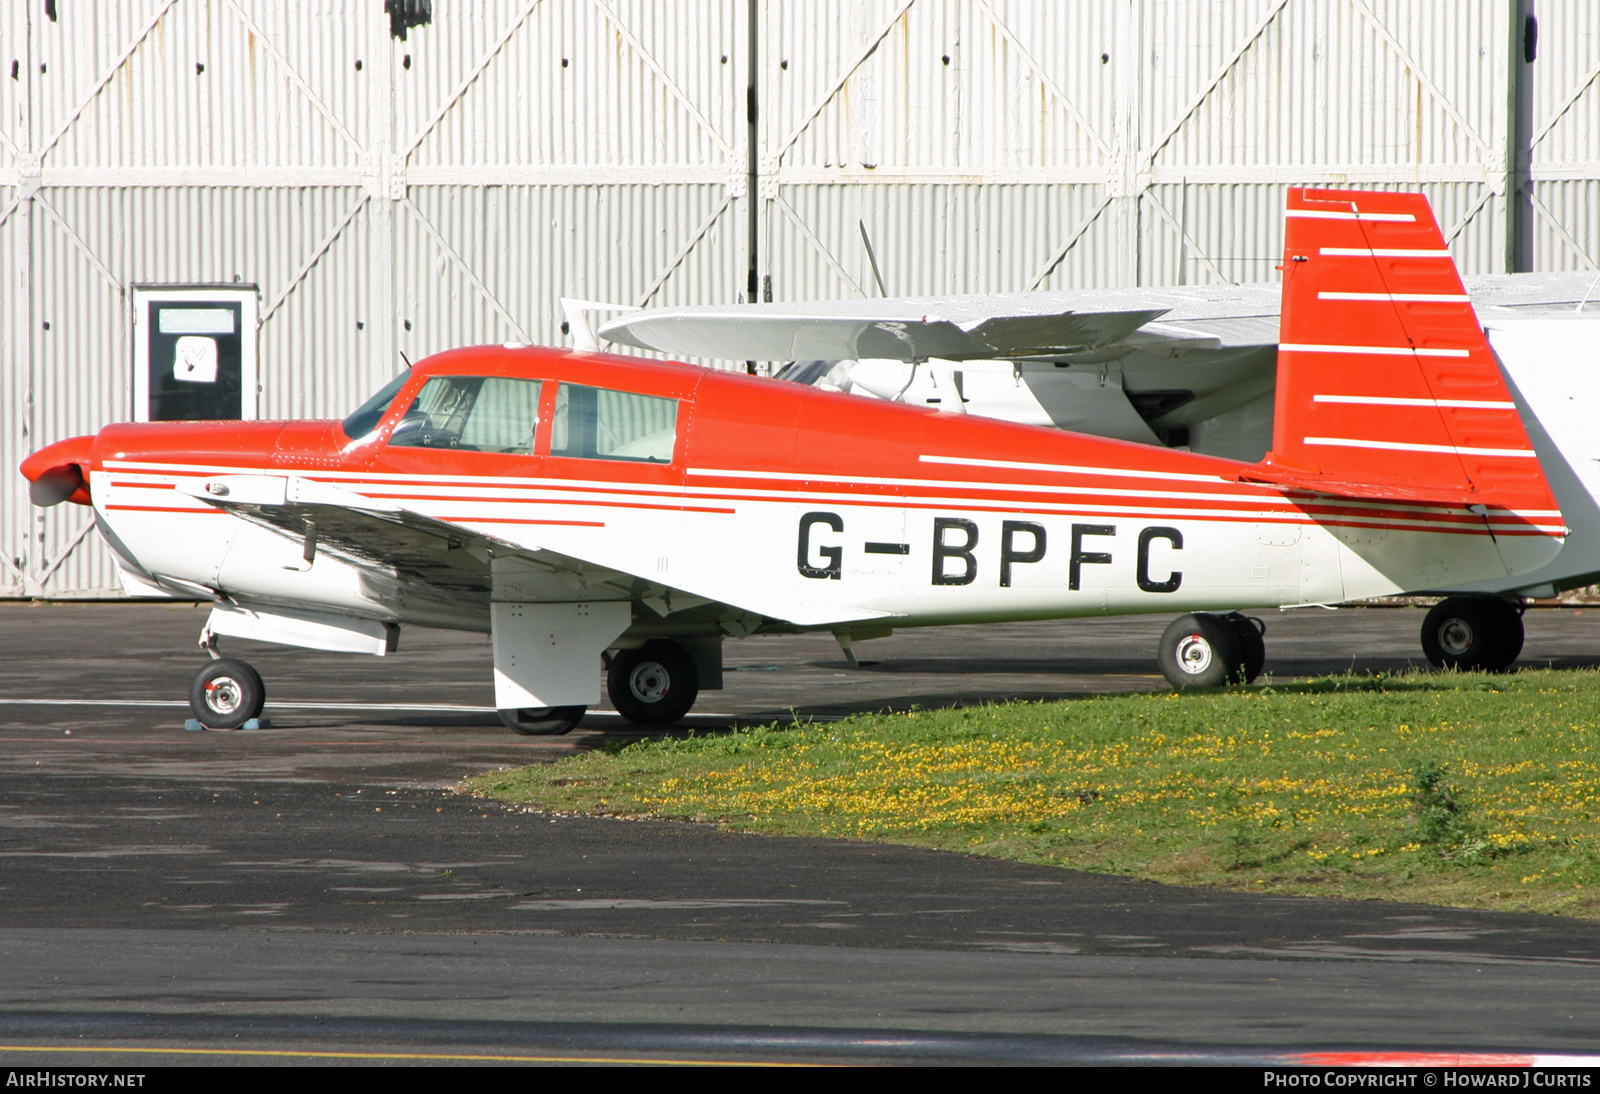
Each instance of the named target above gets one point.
<point>582,506</point>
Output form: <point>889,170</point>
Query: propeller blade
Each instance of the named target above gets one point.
<point>56,485</point>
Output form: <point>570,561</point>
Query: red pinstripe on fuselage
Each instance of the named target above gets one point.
<point>735,447</point>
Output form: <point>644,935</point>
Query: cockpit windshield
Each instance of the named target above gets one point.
<point>366,417</point>
<point>472,414</point>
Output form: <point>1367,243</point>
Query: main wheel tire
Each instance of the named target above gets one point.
<point>542,721</point>
<point>1200,651</point>
<point>654,685</point>
<point>1251,633</point>
<point>1463,633</point>
<point>226,694</point>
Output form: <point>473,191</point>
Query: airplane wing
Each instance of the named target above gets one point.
<point>957,328</point>
<point>417,556</point>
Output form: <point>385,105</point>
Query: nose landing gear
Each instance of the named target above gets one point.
<point>226,694</point>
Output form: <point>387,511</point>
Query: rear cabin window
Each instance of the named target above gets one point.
<point>472,414</point>
<point>597,424</point>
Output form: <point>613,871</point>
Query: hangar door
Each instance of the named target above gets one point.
<point>1003,147</point>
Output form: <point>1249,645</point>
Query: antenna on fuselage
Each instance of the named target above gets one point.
<point>404,358</point>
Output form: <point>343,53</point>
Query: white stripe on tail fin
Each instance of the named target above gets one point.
<point>1387,387</point>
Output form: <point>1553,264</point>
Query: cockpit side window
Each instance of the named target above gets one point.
<point>366,417</point>
<point>473,414</point>
<point>598,424</point>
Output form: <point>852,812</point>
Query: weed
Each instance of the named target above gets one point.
<point>1439,814</point>
<point>1241,838</point>
<point>1433,801</point>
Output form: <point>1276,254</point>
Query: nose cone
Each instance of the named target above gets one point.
<point>60,472</point>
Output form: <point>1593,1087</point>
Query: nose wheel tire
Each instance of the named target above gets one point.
<point>226,694</point>
<point>1201,651</point>
<point>542,721</point>
<point>1473,634</point>
<point>654,685</point>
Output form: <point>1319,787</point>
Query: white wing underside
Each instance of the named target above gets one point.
<point>422,557</point>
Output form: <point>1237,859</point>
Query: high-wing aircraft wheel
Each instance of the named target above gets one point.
<point>1472,633</point>
<point>542,721</point>
<point>226,694</point>
<point>1200,650</point>
<point>1251,633</point>
<point>654,685</point>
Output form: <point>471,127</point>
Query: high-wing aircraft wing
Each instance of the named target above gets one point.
<point>954,328</point>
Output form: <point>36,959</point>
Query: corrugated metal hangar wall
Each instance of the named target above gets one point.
<point>404,177</point>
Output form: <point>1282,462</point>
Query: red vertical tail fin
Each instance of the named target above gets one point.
<point>1387,387</point>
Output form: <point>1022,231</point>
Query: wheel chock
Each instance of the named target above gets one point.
<point>194,726</point>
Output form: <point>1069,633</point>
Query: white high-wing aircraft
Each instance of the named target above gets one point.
<point>1193,368</point>
<point>584,507</point>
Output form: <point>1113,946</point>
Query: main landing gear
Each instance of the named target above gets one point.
<point>1473,633</point>
<point>653,685</point>
<point>1205,650</point>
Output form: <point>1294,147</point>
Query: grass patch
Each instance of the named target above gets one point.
<point>1466,790</point>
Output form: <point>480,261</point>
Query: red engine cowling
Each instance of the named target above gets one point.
<point>60,472</point>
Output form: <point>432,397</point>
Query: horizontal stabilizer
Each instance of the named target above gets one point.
<point>1454,497</point>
